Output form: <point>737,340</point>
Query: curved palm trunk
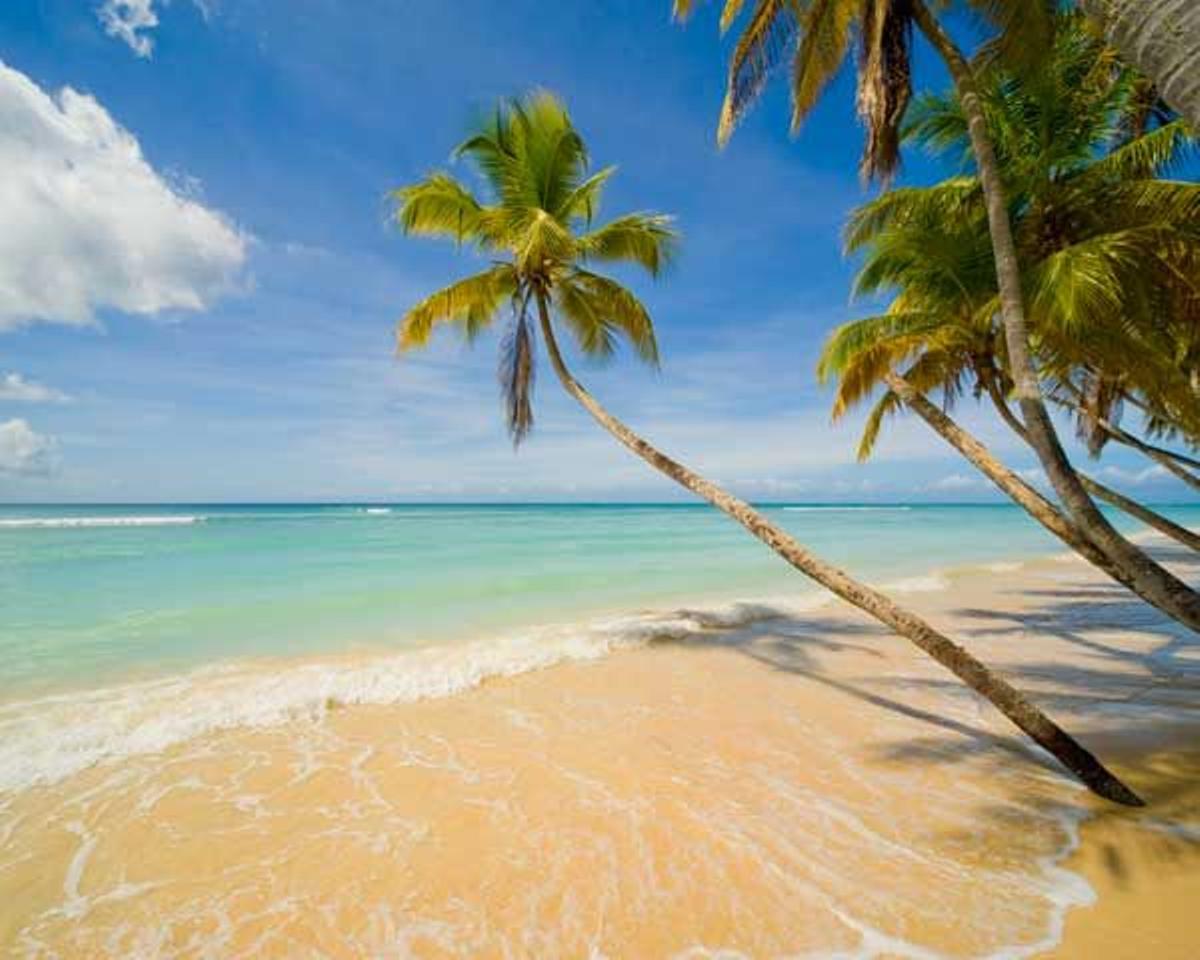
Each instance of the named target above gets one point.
<point>1169,460</point>
<point>1021,492</point>
<point>1153,580</point>
<point>1162,39</point>
<point>1149,517</point>
<point>1006,698</point>
<point>1163,458</point>
<point>1175,455</point>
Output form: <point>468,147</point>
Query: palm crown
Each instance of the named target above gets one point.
<point>536,223</point>
<point>1108,247</point>
<point>818,35</point>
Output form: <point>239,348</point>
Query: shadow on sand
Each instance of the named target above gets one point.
<point>1147,694</point>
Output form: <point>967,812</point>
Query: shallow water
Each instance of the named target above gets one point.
<point>127,629</point>
<point>239,735</point>
<point>95,594</point>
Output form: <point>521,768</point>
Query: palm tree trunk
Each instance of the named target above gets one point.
<point>1094,487</point>
<point>1023,493</point>
<point>1151,518</point>
<point>1153,580</point>
<point>1159,456</point>
<point>1167,459</point>
<point>1162,39</point>
<point>1006,698</point>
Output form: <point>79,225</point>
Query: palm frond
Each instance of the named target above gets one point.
<point>1149,155</point>
<point>646,239</point>
<point>946,202</point>
<point>884,84</point>
<point>761,47</point>
<point>589,299</point>
<point>886,406</point>
<point>584,200</point>
<point>438,206</point>
<point>515,371</point>
<point>472,302</point>
<point>825,37</point>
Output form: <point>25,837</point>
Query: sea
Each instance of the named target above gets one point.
<point>124,628</point>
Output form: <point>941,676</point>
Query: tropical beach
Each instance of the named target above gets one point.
<point>746,779</point>
<point>826,584</point>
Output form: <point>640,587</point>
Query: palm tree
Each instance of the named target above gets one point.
<point>1162,39</point>
<point>819,33</point>
<point>1097,262</point>
<point>537,229</point>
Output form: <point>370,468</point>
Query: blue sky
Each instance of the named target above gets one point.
<point>200,283</point>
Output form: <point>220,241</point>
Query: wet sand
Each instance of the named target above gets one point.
<point>804,785</point>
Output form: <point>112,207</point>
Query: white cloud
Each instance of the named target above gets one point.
<point>957,481</point>
<point>1136,478</point>
<point>131,21</point>
<point>15,387</point>
<point>22,450</point>
<point>88,223</point>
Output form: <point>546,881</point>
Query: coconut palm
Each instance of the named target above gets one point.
<point>1113,246</point>
<point>536,228</point>
<point>818,35</point>
<point>1099,255</point>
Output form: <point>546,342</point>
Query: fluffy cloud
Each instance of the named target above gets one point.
<point>88,223</point>
<point>15,387</point>
<point>22,450</point>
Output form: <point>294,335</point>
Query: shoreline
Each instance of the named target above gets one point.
<point>316,682</point>
<point>823,775</point>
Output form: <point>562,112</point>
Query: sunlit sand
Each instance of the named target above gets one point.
<point>794,786</point>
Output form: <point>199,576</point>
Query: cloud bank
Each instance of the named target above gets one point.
<point>90,224</point>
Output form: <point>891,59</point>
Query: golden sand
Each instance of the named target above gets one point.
<point>807,786</point>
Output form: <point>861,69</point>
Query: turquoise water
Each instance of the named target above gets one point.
<point>127,630</point>
<point>91,595</point>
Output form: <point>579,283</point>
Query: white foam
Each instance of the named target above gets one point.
<point>132,521</point>
<point>928,583</point>
<point>377,510</point>
<point>51,738</point>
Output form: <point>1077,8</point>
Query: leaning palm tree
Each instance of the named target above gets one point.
<point>1102,240</point>
<point>818,35</point>
<point>537,229</point>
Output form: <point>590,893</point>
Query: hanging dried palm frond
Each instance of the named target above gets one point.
<point>516,371</point>
<point>884,84</point>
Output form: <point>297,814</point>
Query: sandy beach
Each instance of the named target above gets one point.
<point>792,786</point>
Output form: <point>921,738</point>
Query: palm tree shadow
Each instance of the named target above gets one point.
<point>1111,682</point>
<point>791,645</point>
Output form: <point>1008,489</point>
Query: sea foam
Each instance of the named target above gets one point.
<point>132,521</point>
<point>48,739</point>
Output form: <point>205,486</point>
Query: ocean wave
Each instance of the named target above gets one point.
<point>46,740</point>
<point>131,521</point>
<point>377,510</point>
